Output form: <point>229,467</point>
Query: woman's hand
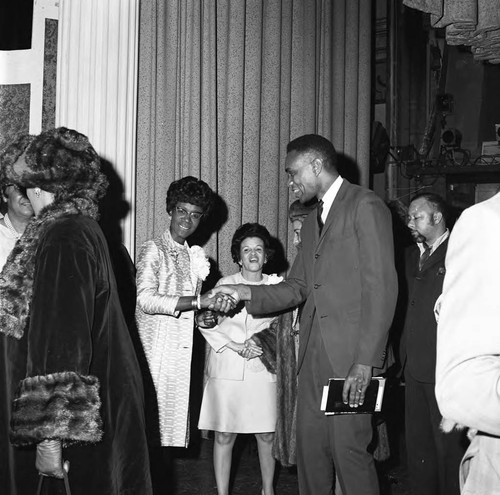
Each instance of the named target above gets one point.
<point>217,302</point>
<point>49,459</point>
<point>237,347</point>
<point>251,350</point>
<point>206,319</point>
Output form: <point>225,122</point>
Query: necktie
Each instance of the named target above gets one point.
<point>319,211</point>
<point>424,256</point>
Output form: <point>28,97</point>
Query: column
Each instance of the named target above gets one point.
<point>97,85</point>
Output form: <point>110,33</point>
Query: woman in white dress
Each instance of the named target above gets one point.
<point>169,278</point>
<point>240,393</point>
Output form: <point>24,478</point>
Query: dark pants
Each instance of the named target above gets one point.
<point>433,456</point>
<point>329,444</point>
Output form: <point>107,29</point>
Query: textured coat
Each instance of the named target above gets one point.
<point>285,443</point>
<point>166,334</point>
<point>74,373</point>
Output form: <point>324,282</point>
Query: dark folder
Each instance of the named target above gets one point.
<point>332,402</point>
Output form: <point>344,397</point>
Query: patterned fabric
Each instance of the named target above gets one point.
<point>163,275</point>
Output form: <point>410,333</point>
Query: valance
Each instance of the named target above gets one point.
<point>474,23</point>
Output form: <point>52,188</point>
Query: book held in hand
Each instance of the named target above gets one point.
<point>332,402</point>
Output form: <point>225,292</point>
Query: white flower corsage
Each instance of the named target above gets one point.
<point>200,265</point>
<point>274,279</point>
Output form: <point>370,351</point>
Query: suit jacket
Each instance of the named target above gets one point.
<point>347,276</point>
<point>418,343</point>
<point>468,337</point>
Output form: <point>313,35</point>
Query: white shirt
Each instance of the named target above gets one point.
<point>435,244</point>
<point>329,197</point>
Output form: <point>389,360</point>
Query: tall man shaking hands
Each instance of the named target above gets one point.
<point>346,278</point>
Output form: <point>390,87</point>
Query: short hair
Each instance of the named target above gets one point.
<point>316,144</point>
<point>436,201</point>
<point>300,210</point>
<point>251,230</point>
<point>189,190</point>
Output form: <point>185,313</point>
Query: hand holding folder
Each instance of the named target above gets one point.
<point>332,402</point>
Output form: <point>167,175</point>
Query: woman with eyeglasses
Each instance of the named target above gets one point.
<point>169,278</point>
<point>17,213</point>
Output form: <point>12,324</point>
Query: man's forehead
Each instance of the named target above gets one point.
<point>420,204</point>
<point>295,160</point>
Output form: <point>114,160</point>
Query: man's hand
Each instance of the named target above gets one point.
<point>217,302</point>
<point>237,292</point>
<point>356,383</point>
<point>49,459</point>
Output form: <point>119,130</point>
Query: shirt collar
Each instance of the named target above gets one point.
<point>329,197</point>
<point>436,243</point>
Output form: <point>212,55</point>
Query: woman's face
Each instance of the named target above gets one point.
<point>252,255</point>
<point>185,219</point>
<point>18,204</point>
<point>39,198</point>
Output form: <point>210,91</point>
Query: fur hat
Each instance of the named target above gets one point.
<point>61,161</point>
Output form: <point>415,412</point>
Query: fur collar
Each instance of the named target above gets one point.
<point>16,279</point>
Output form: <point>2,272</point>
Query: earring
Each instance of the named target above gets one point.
<point>37,192</point>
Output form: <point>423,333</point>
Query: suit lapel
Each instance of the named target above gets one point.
<point>437,256</point>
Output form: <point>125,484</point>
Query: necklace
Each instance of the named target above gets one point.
<point>9,225</point>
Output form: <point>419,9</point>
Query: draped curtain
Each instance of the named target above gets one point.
<point>475,23</point>
<point>224,85</point>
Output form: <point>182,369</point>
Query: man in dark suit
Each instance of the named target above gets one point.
<point>433,456</point>
<point>346,278</point>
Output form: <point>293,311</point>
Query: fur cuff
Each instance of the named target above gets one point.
<point>61,406</point>
<point>266,339</point>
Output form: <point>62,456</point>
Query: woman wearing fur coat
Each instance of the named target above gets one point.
<point>72,396</point>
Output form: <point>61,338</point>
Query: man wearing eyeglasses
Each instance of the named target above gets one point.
<point>433,457</point>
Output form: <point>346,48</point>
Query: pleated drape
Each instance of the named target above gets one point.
<point>224,85</point>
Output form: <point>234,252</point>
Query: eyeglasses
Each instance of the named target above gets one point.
<point>193,215</point>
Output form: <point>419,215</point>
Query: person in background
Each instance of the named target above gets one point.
<point>286,328</point>
<point>169,278</point>
<point>345,275</point>
<point>17,213</point>
<point>70,381</point>
<point>240,393</point>
<point>297,213</point>
<point>468,344</point>
<point>433,457</point>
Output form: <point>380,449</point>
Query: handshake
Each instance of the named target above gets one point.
<point>225,298</point>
